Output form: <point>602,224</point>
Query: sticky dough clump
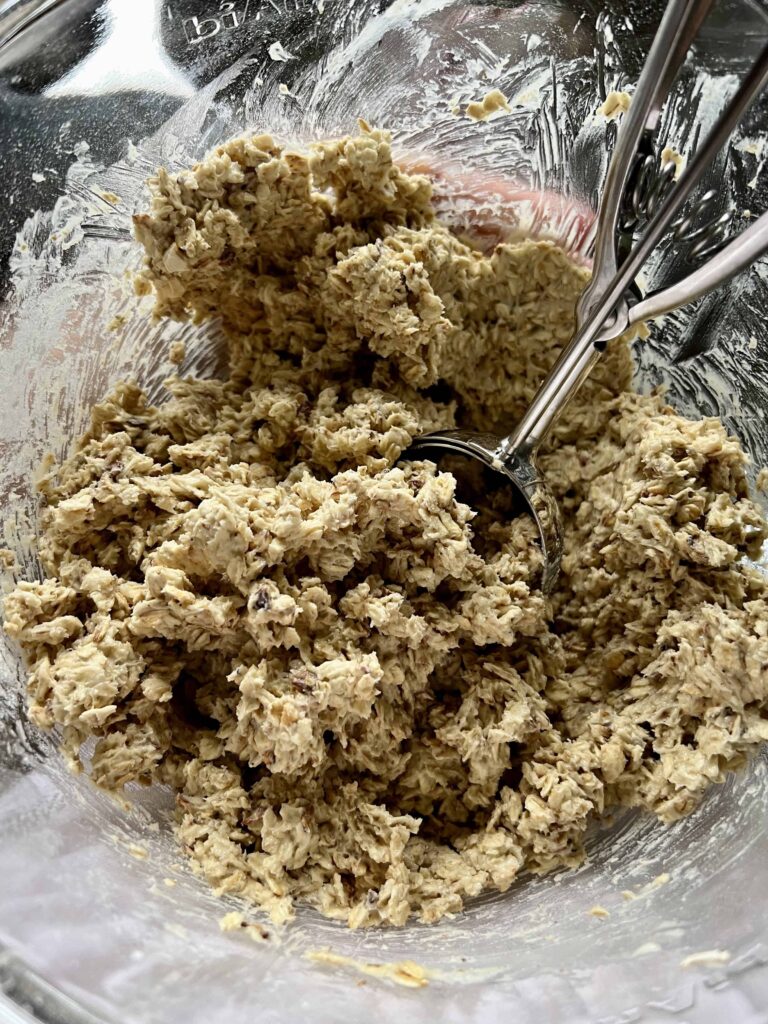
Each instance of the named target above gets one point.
<point>351,679</point>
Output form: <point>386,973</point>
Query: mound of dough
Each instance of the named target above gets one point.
<point>350,678</point>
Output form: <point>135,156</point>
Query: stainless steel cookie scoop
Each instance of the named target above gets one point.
<point>604,312</point>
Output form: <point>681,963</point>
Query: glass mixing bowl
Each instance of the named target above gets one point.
<point>93,95</point>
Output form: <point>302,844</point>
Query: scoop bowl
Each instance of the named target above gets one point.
<point>512,467</point>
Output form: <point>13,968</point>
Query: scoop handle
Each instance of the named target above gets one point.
<point>579,356</point>
<point>677,30</point>
<point>739,254</point>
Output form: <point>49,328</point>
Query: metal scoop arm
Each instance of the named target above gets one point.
<point>580,355</point>
<point>681,22</point>
<point>738,255</point>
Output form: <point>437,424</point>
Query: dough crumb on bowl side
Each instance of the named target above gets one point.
<point>406,973</point>
<point>493,102</point>
<point>351,679</point>
<point>615,104</point>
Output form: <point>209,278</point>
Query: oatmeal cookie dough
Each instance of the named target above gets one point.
<point>352,680</point>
